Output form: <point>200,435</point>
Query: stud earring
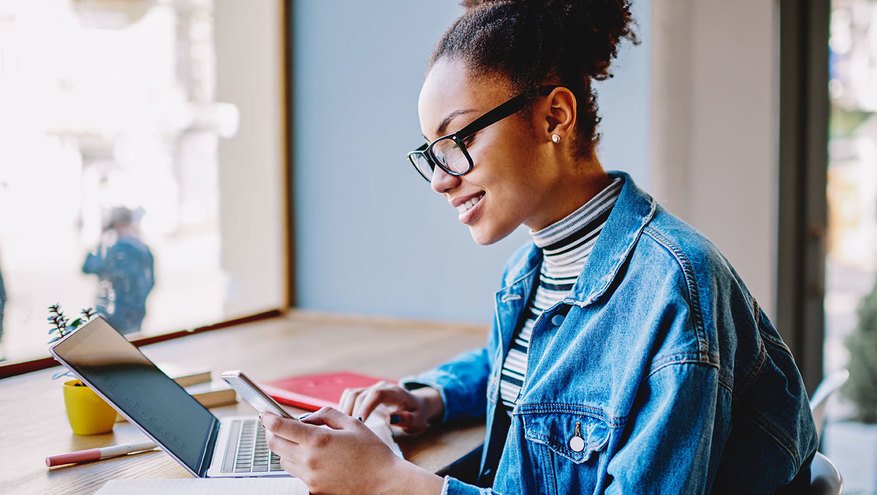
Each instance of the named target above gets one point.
<point>555,138</point>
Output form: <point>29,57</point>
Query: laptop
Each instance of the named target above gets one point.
<point>233,447</point>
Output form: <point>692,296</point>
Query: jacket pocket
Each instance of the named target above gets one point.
<point>574,436</point>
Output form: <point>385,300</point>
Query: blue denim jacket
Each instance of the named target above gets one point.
<point>659,361</point>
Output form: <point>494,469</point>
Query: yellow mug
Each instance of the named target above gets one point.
<point>87,412</point>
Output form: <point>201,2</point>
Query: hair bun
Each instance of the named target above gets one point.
<point>588,30</point>
<point>591,29</point>
<point>471,4</point>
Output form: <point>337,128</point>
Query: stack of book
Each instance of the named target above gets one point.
<point>209,391</point>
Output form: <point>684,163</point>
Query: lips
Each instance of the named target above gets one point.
<point>467,205</point>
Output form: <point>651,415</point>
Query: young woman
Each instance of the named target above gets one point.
<point>627,356</point>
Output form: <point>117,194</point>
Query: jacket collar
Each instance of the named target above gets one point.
<point>632,212</point>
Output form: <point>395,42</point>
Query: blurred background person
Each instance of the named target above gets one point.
<point>124,266</point>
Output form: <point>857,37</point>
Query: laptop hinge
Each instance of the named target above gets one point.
<point>207,454</point>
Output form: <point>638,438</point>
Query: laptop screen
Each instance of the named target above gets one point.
<point>120,372</point>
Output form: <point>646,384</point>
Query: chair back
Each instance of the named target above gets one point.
<point>825,479</point>
<point>829,386</point>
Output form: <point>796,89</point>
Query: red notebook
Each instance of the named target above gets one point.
<point>311,392</point>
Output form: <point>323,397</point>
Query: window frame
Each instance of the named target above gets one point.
<point>803,157</point>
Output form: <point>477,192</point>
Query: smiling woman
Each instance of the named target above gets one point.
<point>626,354</point>
<point>147,178</point>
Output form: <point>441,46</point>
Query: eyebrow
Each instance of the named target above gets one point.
<point>444,125</point>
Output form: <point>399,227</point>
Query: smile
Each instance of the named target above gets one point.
<point>463,208</point>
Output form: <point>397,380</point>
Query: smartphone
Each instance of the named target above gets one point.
<point>253,394</point>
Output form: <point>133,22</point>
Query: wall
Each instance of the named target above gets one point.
<point>371,237</point>
<point>714,128</point>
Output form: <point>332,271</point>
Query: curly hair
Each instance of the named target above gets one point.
<point>538,42</point>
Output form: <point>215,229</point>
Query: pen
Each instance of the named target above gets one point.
<point>98,454</point>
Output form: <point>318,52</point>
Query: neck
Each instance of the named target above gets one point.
<point>585,179</point>
<point>125,231</point>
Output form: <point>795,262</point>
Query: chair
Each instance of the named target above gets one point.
<point>825,479</point>
<point>823,392</point>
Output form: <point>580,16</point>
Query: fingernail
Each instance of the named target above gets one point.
<point>394,419</point>
<point>359,418</point>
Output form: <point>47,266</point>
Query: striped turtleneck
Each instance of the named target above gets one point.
<point>565,247</point>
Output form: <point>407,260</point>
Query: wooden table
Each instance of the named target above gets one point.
<point>34,424</point>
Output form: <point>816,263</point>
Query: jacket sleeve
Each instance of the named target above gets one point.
<point>454,486</point>
<point>668,442</point>
<point>462,383</point>
<point>95,261</point>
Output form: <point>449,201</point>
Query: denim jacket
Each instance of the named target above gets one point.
<point>658,373</point>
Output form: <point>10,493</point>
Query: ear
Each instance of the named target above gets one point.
<point>557,115</point>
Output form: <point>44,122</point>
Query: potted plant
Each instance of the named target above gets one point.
<point>852,444</point>
<point>87,412</point>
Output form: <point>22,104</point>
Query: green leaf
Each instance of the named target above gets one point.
<point>56,339</point>
<point>76,323</point>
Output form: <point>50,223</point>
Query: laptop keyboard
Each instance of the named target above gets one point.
<point>249,453</point>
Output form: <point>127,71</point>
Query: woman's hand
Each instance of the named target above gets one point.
<point>412,410</point>
<point>335,453</point>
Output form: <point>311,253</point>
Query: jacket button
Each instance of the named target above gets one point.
<point>557,320</point>
<point>577,443</point>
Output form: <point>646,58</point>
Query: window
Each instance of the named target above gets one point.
<point>136,128</point>
<point>851,256</point>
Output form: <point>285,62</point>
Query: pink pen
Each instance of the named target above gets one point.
<point>98,454</point>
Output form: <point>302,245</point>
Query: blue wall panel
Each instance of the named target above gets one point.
<point>371,237</point>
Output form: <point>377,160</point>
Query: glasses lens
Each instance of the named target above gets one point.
<point>451,155</point>
<point>421,163</point>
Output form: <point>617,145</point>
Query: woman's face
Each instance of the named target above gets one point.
<point>512,180</point>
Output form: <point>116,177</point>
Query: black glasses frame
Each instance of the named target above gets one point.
<point>504,110</point>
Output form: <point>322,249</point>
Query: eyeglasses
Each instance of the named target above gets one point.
<point>449,152</point>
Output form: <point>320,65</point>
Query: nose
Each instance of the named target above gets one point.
<point>442,182</point>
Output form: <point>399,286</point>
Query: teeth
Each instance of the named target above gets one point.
<point>463,208</point>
